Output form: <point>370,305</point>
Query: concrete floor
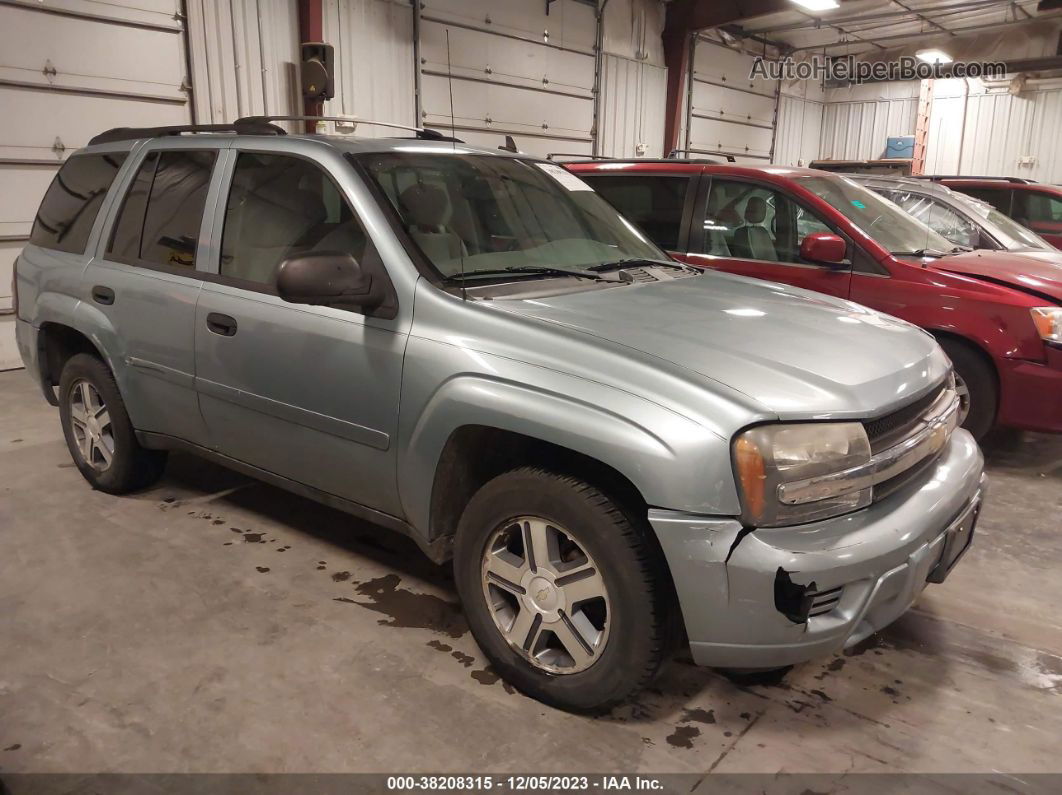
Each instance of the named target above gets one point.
<point>216,624</point>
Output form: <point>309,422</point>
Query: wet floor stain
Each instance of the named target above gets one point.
<point>465,659</point>
<point>253,538</point>
<point>14,747</point>
<point>68,465</point>
<point>404,608</point>
<point>261,569</point>
<point>485,677</point>
<point>683,736</point>
<point>698,715</point>
<point>280,549</point>
<point>438,645</point>
<point>341,576</point>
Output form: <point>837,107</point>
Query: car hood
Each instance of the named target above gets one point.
<point>1029,271</point>
<point>796,353</point>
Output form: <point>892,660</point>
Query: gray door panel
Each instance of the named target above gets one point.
<point>309,393</point>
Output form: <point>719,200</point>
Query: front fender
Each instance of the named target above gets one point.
<point>672,460</point>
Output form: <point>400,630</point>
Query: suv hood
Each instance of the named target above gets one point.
<point>1028,271</point>
<point>797,354</point>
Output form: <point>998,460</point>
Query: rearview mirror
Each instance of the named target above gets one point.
<point>823,248</point>
<point>327,278</point>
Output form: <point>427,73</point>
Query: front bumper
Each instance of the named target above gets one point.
<point>1030,393</point>
<point>745,595</point>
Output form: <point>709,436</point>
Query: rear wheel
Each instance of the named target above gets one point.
<point>98,432</point>
<point>976,384</point>
<point>562,590</point>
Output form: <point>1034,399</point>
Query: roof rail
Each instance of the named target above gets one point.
<point>939,177</point>
<point>674,154</point>
<point>424,133</point>
<point>577,155</point>
<point>241,126</point>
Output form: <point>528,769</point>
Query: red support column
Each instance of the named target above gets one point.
<point>677,61</point>
<point>311,28</point>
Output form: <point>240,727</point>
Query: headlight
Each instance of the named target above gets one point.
<point>1048,320</point>
<point>770,456</point>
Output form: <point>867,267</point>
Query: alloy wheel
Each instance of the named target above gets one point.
<point>546,595</point>
<point>963,392</point>
<point>91,423</point>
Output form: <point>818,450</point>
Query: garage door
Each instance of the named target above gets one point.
<point>727,111</point>
<point>516,69</point>
<point>66,73</point>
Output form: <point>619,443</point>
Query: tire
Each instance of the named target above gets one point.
<point>623,631</point>
<point>979,380</point>
<point>104,448</point>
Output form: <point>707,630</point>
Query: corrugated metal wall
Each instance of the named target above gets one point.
<point>632,98</point>
<point>798,132</point>
<point>858,120</point>
<point>244,58</point>
<point>979,129</point>
<point>373,42</point>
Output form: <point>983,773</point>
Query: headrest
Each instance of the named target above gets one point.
<point>425,205</point>
<point>755,210</point>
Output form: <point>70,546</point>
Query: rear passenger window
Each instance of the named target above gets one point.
<point>654,203</point>
<point>73,200</point>
<point>163,210</point>
<point>280,206</point>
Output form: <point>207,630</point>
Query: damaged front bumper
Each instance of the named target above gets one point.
<point>777,596</point>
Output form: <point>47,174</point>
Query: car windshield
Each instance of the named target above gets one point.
<point>1010,233</point>
<point>877,217</point>
<point>480,214</point>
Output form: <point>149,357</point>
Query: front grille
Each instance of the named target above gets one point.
<point>897,482</point>
<point>886,431</point>
<point>824,602</point>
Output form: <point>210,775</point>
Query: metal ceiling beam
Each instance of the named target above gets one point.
<point>917,35</point>
<point>938,11</point>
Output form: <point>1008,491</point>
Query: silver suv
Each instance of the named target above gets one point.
<point>472,348</point>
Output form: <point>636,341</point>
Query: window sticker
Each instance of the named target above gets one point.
<point>859,204</point>
<point>564,176</point>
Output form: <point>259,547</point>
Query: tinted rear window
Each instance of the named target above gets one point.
<point>73,200</point>
<point>654,203</point>
<point>163,209</point>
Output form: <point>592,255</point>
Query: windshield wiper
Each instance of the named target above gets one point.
<point>524,270</point>
<point>619,264</point>
<point>922,252</point>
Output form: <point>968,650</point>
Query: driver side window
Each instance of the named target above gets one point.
<point>280,206</point>
<point>747,221</point>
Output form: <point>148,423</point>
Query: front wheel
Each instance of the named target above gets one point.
<point>976,385</point>
<point>98,433</point>
<point>563,591</point>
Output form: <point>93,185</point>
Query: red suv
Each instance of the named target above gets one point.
<point>1032,204</point>
<point>996,314</point>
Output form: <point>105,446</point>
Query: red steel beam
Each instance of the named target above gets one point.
<point>311,28</point>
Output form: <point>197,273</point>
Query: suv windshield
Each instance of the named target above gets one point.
<point>1011,234</point>
<point>877,217</point>
<point>484,214</point>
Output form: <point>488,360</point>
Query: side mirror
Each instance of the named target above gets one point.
<point>823,248</point>
<point>327,278</point>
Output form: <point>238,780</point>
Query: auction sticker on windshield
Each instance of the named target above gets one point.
<point>564,176</point>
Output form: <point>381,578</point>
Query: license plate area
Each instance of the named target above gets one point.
<point>957,539</point>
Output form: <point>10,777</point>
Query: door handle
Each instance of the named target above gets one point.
<point>221,324</point>
<point>102,295</point>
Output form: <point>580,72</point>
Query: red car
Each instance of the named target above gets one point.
<point>1032,204</point>
<point>998,315</point>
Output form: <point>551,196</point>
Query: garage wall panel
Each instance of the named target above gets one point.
<point>728,110</point>
<point>373,42</point>
<point>799,134</point>
<point>633,94</point>
<point>515,70</point>
<point>858,120</point>
<point>244,56</point>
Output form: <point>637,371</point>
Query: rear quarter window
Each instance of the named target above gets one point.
<point>73,200</point>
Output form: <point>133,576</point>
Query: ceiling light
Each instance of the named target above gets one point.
<point>934,56</point>
<point>817,5</point>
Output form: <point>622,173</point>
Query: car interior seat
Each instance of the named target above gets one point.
<point>427,210</point>
<point>752,240</point>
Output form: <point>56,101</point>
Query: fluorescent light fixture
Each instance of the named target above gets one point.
<point>817,5</point>
<point>933,55</point>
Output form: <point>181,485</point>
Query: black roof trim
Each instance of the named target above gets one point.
<point>240,126</point>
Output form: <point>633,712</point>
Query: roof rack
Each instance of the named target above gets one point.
<point>939,177</point>
<point>423,133</point>
<point>240,126</point>
<point>576,155</point>
<point>674,154</point>
<point>577,158</point>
